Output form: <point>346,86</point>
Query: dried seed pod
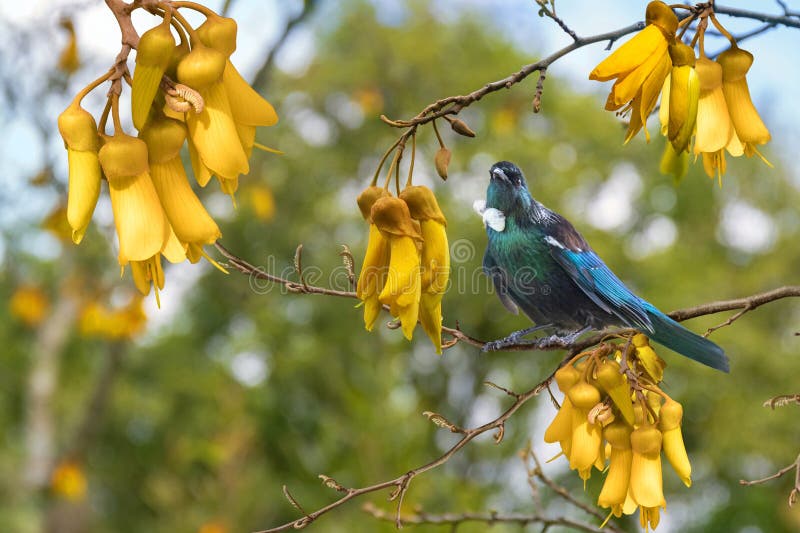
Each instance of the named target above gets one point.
<point>460,127</point>
<point>442,161</point>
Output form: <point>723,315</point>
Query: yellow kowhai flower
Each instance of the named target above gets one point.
<point>435,259</point>
<point>640,67</point>
<point>616,486</point>
<point>69,481</point>
<point>142,228</point>
<point>715,132</point>
<point>403,286</point>
<point>616,386</point>
<point>248,109</point>
<point>586,444</point>
<point>650,362</point>
<point>560,429</point>
<point>212,132</point>
<point>749,127</point>
<point>669,422</point>
<point>152,59</point>
<point>372,277</point>
<point>79,131</point>
<point>646,479</point>
<point>192,224</point>
<point>679,98</point>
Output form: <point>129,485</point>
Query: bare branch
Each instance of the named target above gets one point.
<point>787,19</point>
<point>489,518</point>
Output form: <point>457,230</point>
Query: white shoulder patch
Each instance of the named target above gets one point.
<point>479,206</point>
<point>552,241</point>
<point>495,219</point>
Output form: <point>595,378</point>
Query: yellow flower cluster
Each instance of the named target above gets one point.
<point>608,423</point>
<point>407,263</point>
<point>705,104</point>
<point>211,108</point>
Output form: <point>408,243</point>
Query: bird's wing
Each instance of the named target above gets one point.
<point>597,281</point>
<point>498,276</point>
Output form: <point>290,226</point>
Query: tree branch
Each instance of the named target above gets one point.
<point>746,304</point>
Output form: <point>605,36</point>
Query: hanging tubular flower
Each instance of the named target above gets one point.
<point>650,362</point>
<point>587,439</point>
<point>403,284</point>
<point>560,429</point>
<point>646,479</point>
<point>435,259</point>
<point>152,59</point>
<point>247,108</point>
<point>617,483</point>
<point>616,386</point>
<point>669,422</point>
<point>680,99</point>
<point>640,66</point>
<point>79,131</point>
<point>749,127</point>
<point>212,132</point>
<point>142,228</point>
<point>192,224</point>
<point>715,132</point>
<point>372,277</point>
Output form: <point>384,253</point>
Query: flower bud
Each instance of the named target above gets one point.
<point>460,127</point>
<point>442,161</point>
<point>218,33</point>
<point>201,67</point>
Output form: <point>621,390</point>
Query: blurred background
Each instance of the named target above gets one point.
<point>117,416</point>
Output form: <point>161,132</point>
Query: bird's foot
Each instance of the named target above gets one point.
<point>515,339</point>
<point>542,343</point>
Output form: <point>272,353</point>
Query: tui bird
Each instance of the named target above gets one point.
<point>541,264</point>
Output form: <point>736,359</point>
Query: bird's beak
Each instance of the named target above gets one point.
<point>499,174</point>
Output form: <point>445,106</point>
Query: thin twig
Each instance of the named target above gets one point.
<point>489,518</point>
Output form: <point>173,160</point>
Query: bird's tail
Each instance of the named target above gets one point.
<point>676,337</point>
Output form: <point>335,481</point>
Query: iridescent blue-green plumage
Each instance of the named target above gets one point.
<point>543,266</point>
